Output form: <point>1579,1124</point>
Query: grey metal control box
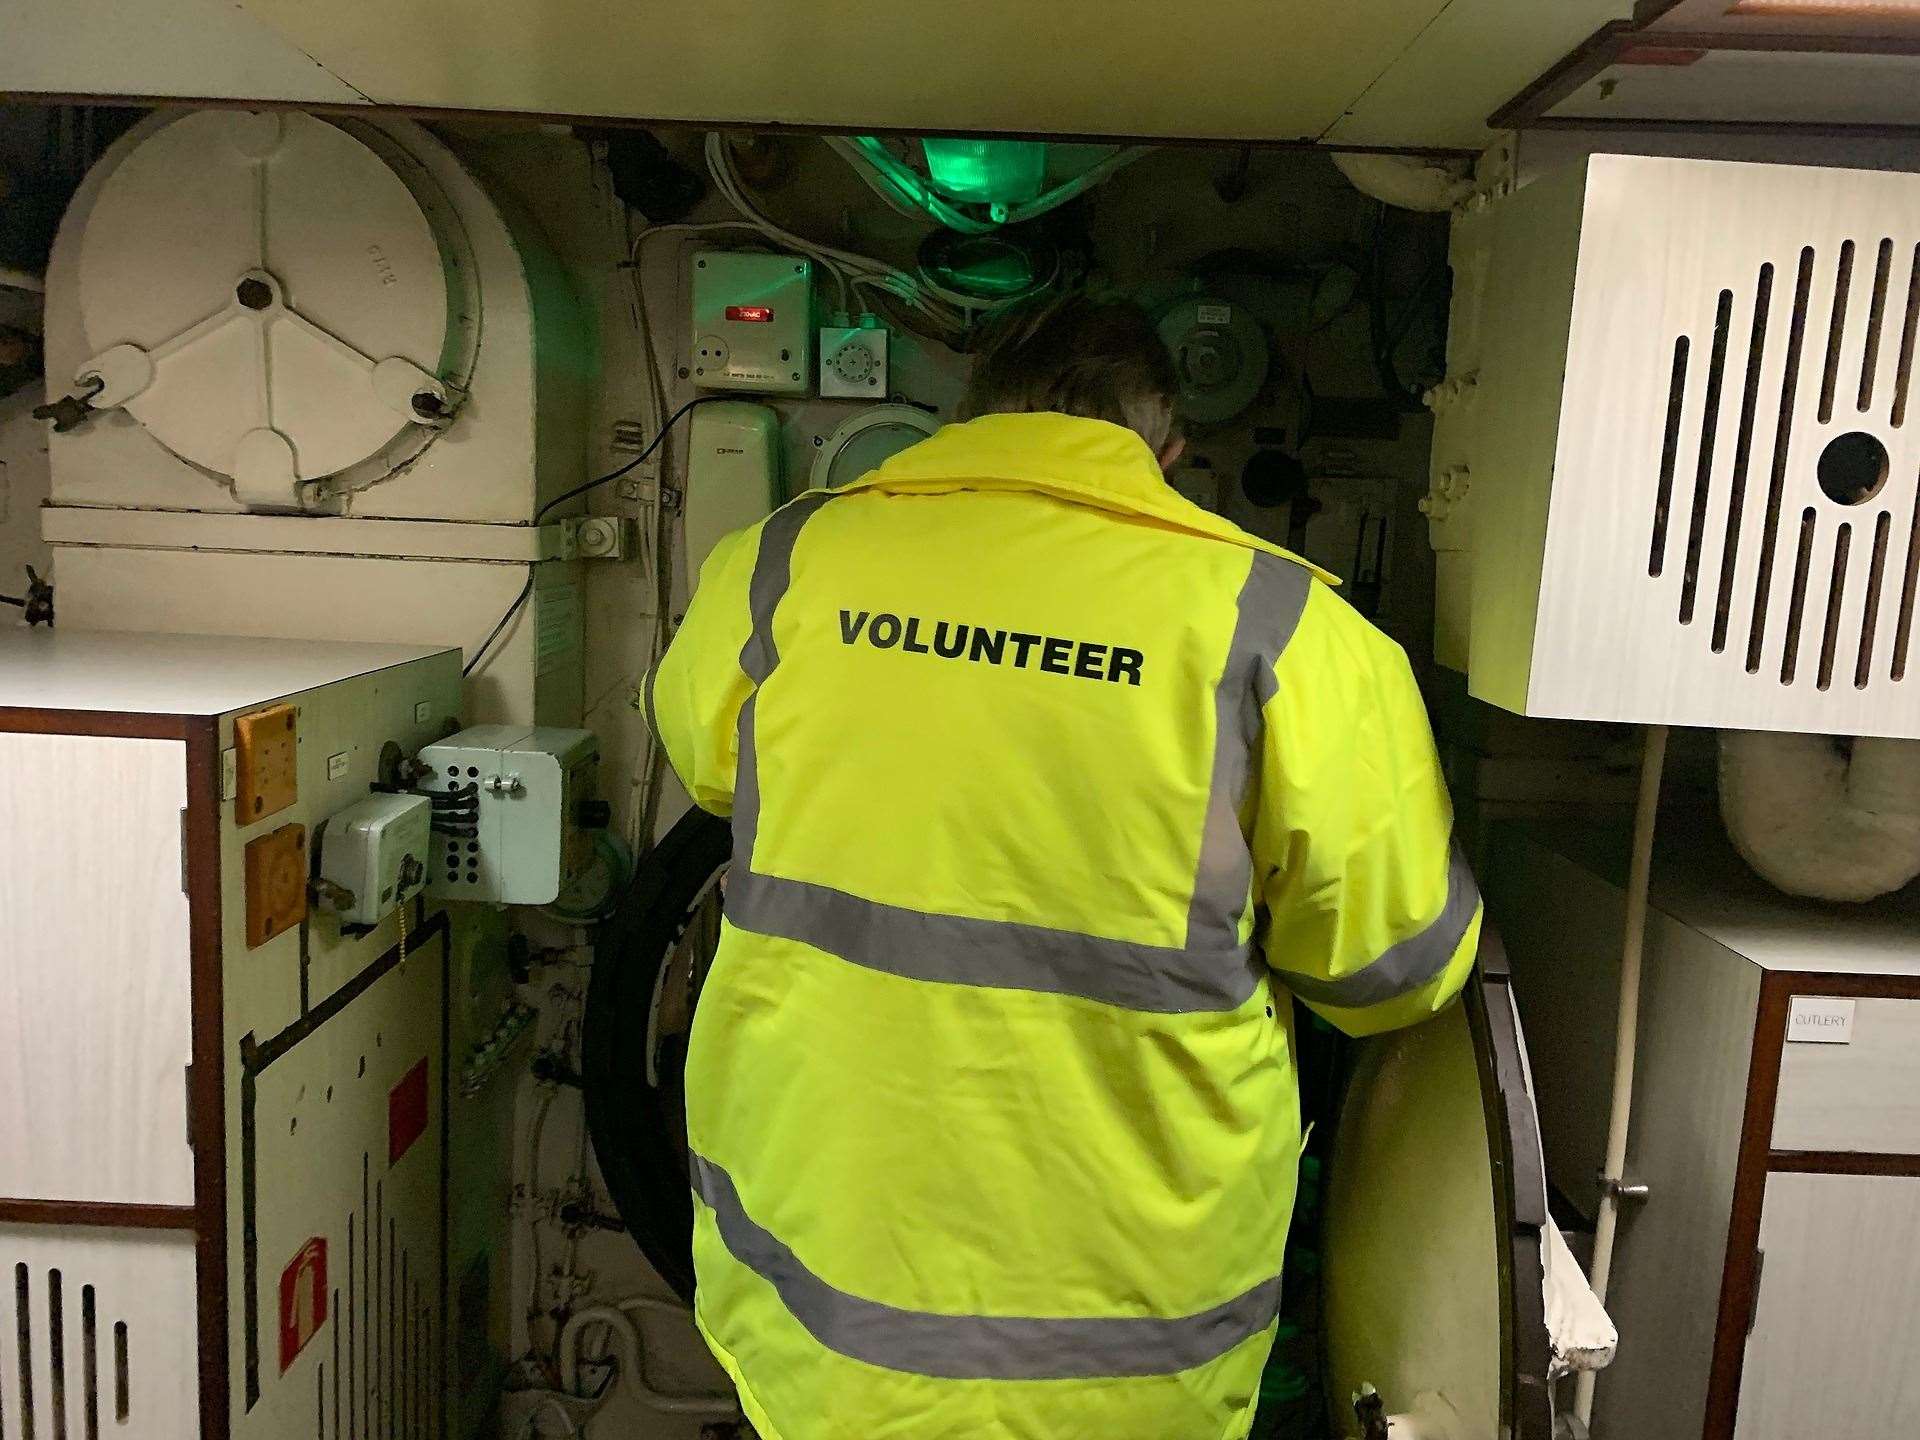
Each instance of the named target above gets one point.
<point>514,807</point>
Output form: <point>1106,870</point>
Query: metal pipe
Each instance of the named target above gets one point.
<point>1626,1032</point>
<point>632,1366</point>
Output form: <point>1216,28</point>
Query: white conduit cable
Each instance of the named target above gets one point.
<point>949,322</point>
<point>1626,1033</point>
<point>1077,186</point>
<point>630,1352</point>
<point>728,181</point>
<point>882,171</point>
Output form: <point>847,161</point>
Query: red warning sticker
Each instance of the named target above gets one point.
<point>407,1112</point>
<point>303,1299</point>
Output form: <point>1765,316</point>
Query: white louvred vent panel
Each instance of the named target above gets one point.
<point>96,1334</point>
<point>1733,533</point>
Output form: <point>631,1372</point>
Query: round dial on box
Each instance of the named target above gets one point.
<point>854,363</point>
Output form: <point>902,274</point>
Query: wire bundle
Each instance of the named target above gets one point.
<point>456,813</point>
<point>935,314</point>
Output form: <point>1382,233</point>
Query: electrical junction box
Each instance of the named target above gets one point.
<point>733,475</point>
<point>513,811</point>
<point>373,857</point>
<point>853,360</point>
<point>752,324</point>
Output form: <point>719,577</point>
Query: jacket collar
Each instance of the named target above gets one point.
<point>1089,462</point>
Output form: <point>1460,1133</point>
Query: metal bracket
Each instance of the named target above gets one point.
<point>330,895</point>
<point>72,411</point>
<point>1621,1190</point>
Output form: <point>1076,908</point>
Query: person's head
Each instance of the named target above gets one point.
<point>1078,356</point>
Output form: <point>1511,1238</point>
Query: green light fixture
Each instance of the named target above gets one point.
<point>987,172</point>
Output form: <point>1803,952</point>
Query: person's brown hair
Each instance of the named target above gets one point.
<point>1077,356</point>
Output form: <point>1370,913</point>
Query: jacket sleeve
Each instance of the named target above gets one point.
<point>1371,915</point>
<point>694,695</point>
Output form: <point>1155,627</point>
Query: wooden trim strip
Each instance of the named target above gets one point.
<point>1528,110</point>
<point>206,1093</point>
<point>1581,64</point>
<point>1739,1276</point>
<point>1834,130</point>
<point>1841,1162</point>
<point>1863,987</point>
<point>107,1214</point>
<point>1790,44</point>
<point>116,725</point>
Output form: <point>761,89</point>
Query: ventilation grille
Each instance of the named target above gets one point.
<point>72,1380</point>
<point>378,1376</point>
<point>1732,508</point>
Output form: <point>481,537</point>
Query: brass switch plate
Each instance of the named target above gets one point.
<point>276,883</point>
<point>266,762</point>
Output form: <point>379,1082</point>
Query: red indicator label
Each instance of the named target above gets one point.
<point>755,314</point>
<point>406,1112</point>
<point>303,1299</point>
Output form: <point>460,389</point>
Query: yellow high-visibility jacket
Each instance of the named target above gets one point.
<point>1046,787</point>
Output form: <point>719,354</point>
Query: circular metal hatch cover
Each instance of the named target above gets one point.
<point>264,289</point>
<point>1436,1203</point>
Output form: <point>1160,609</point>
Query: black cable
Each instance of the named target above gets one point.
<point>526,591</point>
<point>512,610</point>
<point>640,459</point>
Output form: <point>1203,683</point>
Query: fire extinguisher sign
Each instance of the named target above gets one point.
<point>303,1299</point>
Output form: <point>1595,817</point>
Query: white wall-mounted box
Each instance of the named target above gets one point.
<point>752,324</point>
<point>1678,408</point>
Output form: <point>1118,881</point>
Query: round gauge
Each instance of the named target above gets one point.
<point>867,441</point>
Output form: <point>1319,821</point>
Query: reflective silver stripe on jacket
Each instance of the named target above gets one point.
<point>1212,972</point>
<point>772,574</point>
<point>1003,954</point>
<point>979,1347</point>
<point>1409,964</point>
<point>1271,603</point>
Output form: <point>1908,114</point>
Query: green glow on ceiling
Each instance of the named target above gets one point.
<point>987,172</point>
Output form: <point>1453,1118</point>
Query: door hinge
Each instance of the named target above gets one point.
<point>189,1073</point>
<point>1759,1274</point>
<point>184,889</point>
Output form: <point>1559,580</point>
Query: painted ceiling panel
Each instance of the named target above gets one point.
<point>1475,56</point>
<point>1266,69</point>
<point>204,48</point>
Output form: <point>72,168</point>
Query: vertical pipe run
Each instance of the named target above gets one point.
<point>1626,1032</point>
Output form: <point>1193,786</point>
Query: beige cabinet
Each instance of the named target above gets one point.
<point>1765,1287</point>
<point>222,1126</point>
